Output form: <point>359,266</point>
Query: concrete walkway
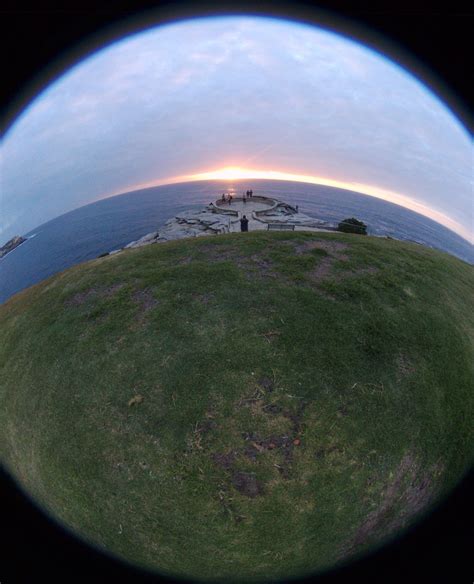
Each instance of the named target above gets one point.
<point>244,209</point>
<point>247,208</point>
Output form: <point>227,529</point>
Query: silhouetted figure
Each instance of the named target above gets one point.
<point>251,193</point>
<point>244,224</point>
<point>230,199</point>
<point>296,207</point>
<point>223,196</point>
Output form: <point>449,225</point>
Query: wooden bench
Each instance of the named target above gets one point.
<point>280,226</point>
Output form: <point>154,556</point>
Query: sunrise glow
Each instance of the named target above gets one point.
<point>232,173</point>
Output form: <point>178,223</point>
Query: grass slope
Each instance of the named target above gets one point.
<point>243,406</point>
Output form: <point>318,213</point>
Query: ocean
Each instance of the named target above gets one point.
<point>99,227</point>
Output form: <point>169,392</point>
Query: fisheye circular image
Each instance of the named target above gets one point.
<point>236,319</point>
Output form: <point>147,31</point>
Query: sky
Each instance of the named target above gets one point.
<point>235,97</point>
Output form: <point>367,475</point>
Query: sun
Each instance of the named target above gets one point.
<point>231,173</point>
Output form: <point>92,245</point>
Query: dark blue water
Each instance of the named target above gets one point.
<point>109,224</point>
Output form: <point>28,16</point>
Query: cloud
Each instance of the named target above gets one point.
<point>195,95</point>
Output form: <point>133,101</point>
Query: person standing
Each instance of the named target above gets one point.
<point>244,224</point>
<point>251,193</point>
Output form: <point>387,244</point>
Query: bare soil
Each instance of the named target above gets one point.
<point>409,491</point>
<point>266,383</point>
<point>82,297</point>
<point>247,484</point>
<point>331,247</point>
<point>225,460</point>
<point>145,302</point>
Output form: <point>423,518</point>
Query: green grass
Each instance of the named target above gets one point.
<point>359,349</point>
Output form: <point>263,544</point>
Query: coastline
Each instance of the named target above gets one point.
<point>9,251</point>
<point>98,228</point>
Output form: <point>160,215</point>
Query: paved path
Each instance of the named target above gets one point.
<point>245,209</point>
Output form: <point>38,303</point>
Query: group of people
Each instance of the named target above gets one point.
<point>228,197</point>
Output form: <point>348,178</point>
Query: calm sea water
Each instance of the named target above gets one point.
<point>87,232</point>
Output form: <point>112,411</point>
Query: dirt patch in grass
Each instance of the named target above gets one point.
<point>291,440</point>
<point>207,426</point>
<point>408,492</point>
<point>272,409</point>
<point>261,262</point>
<point>145,301</point>
<point>81,298</point>
<point>251,452</point>
<point>225,460</point>
<point>284,439</point>
<point>256,397</point>
<point>284,444</point>
<point>342,411</point>
<point>111,290</point>
<point>257,447</point>
<point>266,383</point>
<point>297,416</point>
<point>263,266</point>
<point>252,265</point>
<point>324,269</point>
<point>247,484</point>
<point>331,247</point>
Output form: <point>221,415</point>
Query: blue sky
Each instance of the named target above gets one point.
<point>254,93</point>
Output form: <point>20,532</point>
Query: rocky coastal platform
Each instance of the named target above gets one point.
<point>223,216</point>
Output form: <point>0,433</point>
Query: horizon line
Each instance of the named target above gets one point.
<point>235,173</point>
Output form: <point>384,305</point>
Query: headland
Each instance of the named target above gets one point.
<point>224,215</point>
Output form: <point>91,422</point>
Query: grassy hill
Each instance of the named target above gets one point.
<point>242,406</point>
